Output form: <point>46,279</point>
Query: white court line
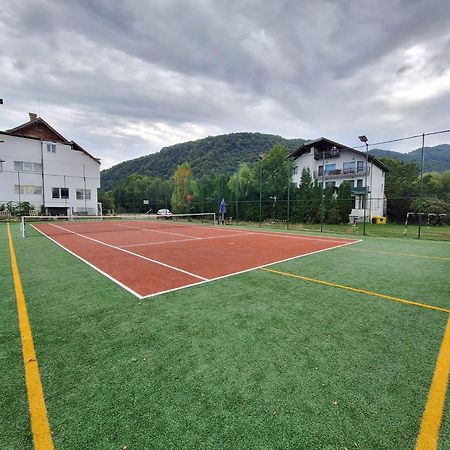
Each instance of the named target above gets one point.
<point>249,270</point>
<point>154,230</point>
<point>183,240</point>
<point>301,237</point>
<point>91,265</point>
<point>133,254</point>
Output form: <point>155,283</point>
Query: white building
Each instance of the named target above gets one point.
<point>40,166</point>
<point>334,163</point>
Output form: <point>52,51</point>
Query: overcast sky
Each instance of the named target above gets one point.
<point>126,78</point>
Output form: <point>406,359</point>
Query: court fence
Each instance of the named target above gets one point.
<point>401,218</point>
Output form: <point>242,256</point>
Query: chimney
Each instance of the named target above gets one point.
<point>33,116</point>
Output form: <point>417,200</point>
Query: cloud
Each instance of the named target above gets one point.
<point>127,78</point>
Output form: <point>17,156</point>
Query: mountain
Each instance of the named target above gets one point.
<point>436,159</point>
<point>223,153</point>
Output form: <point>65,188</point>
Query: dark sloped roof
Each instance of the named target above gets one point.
<point>324,144</point>
<point>25,130</point>
<point>30,130</point>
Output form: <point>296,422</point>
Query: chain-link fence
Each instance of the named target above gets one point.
<point>324,214</point>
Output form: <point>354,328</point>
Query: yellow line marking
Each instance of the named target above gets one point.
<point>361,291</point>
<point>40,427</point>
<point>399,254</point>
<point>432,417</point>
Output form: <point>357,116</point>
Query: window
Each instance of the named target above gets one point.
<point>83,194</point>
<point>360,166</point>
<point>295,170</point>
<point>353,202</point>
<point>51,148</point>
<point>26,166</point>
<point>320,172</point>
<point>359,183</point>
<point>60,192</point>
<point>27,189</point>
<point>349,167</point>
<point>351,183</point>
<point>330,183</point>
<point>330,167</point>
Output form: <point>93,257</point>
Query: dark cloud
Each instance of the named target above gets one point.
<point>141,74</point>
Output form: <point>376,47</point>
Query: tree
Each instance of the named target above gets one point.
<point>431,205</point>
<point>276,168</point>
<point>303,211</point>
<point>401,187</point>
<point>344,202</point>
<point>330,206</point>
<point>316,202</point>
<point>107,201</point>
<point>184,184</point>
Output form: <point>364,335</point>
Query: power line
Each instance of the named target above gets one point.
<point>404,138</point>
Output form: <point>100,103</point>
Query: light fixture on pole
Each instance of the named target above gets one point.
<point>364,139</point>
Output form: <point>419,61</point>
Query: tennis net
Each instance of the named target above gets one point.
<point>57,225</point>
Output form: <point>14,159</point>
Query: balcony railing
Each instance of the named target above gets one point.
<point>341,173</point>
<point>359,190</point>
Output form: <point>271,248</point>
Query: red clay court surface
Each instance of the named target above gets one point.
<point>148,259</point>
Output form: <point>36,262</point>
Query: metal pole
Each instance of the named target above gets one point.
<point>20,187</point>
<point>84,186</point>
<point>322,212</point>
<point>421,186</point>
<point>237,198</point>
<point>365,191</point>
<point>43,177</point>
<point>260,191</point>
<point>288,193</point>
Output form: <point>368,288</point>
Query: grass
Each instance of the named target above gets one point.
<point>253,361</point>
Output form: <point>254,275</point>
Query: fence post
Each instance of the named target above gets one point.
<point>421,186</point>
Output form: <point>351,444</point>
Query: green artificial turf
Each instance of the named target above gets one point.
<point>14,423</point>
<point>257,360</point>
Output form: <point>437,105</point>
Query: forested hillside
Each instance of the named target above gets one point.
<point>218,153</point>
<point>436,159</point>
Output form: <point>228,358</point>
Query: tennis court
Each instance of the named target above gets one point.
<point>148,257</point>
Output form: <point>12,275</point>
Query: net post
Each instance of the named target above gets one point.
<point>22,226</point>
<point>214,217</point>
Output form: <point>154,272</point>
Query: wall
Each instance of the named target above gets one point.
<point>64,168</point>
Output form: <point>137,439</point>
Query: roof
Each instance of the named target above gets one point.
<point>323,144</point>
<point>31,129</point>
<point>39,129</point>
<point>79,148</point>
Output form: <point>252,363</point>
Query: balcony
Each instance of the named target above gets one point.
<point>359,190</point>
<point>341,173</point>
<point>329,153</point>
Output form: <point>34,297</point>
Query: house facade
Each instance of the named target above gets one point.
<point>40,166</point>
<point>333,163</point>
